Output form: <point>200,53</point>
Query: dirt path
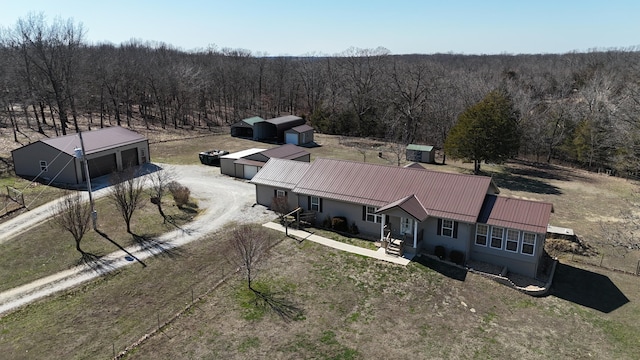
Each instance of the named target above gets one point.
<point>223,198</point>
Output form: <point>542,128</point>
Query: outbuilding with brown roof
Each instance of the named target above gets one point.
<point>107,150</point>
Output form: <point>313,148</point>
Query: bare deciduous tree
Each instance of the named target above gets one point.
<point>126,193</point>
<point>280,206</point>
<point>248,247</point>
<point>160,181</point>
<point>72,214</point>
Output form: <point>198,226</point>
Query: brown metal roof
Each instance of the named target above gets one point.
<point>517,214</point>
<point>281,173</point>
<point>301,128</point>
<point>284,120</point>
<point>448,195</point>
<point>414,165</point>
<point>410,205</point>
<point>96,140</point>
<point>287,151</point>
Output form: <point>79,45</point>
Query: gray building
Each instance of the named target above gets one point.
<point>107,150</point>
<point>299,135</point>
<point>420,153</point>
<point>246,163</point>
<point>244,127</point>
<point>272,130</point>
<point>418,209</point>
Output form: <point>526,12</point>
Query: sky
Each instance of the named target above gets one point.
<point>329,27</point>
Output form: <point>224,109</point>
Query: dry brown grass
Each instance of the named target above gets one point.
<point>354,307</point>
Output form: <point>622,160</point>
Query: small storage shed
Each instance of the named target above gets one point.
<point>245,127</point>
<point>299,135</point>
<point>420,153</point>
<point>245,164</point>
<point>273,129</point>
<point>228,163</point>
<point>107,150</point>
<point>286,151</point>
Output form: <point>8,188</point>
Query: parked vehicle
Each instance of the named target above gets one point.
<point>212,157</point>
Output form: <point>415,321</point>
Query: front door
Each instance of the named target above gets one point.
<point>406,226</point>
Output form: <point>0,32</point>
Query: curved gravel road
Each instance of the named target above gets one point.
<point>223,199</point>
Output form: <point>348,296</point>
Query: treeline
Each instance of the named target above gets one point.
<point>577,107</point>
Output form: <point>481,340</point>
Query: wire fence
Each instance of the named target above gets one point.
<point>163,318</point>
<point>629,264</point>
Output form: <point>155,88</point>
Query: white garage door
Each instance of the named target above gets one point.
<point>250,171</point>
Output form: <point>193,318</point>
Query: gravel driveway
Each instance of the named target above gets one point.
<point>222,198</point>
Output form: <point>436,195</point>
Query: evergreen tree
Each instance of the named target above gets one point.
<point>486,131</point>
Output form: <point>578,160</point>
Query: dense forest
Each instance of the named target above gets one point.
<point>579,108</point>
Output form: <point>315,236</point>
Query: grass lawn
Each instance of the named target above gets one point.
<point>47,249</point>
<point>35,194</point>
<point>353,308</point>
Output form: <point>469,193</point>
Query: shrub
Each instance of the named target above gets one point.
<point>180,193</point>
<point>440,252</point>
<point>339,223</point>
<point>354,229</point>
<point>326,223</point>
<point>457,257</point>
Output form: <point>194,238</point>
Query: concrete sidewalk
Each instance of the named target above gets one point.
<point>376,254</point>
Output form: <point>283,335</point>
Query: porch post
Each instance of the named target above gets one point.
<point>382,227</point>
<point>415,233</point>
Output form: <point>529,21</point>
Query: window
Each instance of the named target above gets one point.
<point>43,166</point>
<point>447,228</point>
<point>482,232</point>
<point>512,240</point>
<point>280,193</point>
<point>371,216</point>
<point>315,203</point>
<point>528,243</point>
<point>496,237</point>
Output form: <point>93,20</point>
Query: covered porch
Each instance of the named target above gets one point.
<point>400,227</point>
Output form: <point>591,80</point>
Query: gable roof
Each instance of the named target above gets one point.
<point>287,151</point>
<point>525,215</point>
<point>284,119</point>
<point>415,165</point>
<point>241,154</point>
<point>410,205</point>
<point>96,140</point>
<point>252,120</point>
<point>300,129</point>
<point>449,195</point>
<point>419,147</point>
<point>272,173</point>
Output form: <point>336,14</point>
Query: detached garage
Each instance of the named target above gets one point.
<point>107,150</point>
<point>299,135</point>
<point>246,164</point>
<point>272,130</point>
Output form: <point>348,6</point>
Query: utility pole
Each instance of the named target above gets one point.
<point>80,153</point>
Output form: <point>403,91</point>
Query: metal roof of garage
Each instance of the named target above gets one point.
<point>243,153</point>
<point>287,151</point>
<point>96,140</point>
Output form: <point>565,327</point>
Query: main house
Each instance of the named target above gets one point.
<point>425,209</point>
